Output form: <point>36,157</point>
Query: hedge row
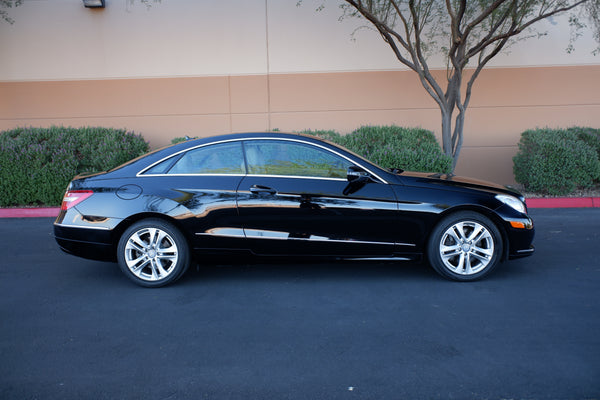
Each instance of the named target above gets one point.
<point>558,161</point>
<point>392,146</point>
<point>36,164</point>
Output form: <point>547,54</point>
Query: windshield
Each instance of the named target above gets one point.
<point>368,162</point>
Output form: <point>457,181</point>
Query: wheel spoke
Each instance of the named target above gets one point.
<point>485,255</point>
<point>136,242</point>
<point>153,268</point>
<point>478,231</point>
<point>467,270</point>
<point>168,257</point>
<point>137,266</point>
<point>484,239</point>
<point>450,251</point>
<point>168,250</point>
<point>457,233</point>
<point>154,236</point>
<point>160,237</point>
<point>161,270</point>
<point>460,265</point>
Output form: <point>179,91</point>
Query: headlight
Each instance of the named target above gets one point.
<point>513,202</point>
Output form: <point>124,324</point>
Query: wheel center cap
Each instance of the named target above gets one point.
<point>466,247</point>
<point>151,253</point>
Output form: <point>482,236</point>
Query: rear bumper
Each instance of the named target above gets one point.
<point>84,239</point>
<point>89,250</point>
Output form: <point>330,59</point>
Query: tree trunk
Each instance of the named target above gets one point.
<point>447,135</point>
<point>457,140</point>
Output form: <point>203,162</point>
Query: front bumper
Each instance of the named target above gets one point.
<point>520,232</point>
<point>520,239</point>
<point>522,253</point>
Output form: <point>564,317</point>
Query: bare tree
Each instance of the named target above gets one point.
<point>4,4</point>
<point>468,33</point>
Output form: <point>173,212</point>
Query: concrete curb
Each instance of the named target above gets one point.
<point>553,202</point>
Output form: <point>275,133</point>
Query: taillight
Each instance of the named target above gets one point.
<point>74,197</point>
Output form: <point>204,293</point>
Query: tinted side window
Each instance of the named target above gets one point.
<point>222,158</point>
<point>161,167</point>
<point>279,157</point>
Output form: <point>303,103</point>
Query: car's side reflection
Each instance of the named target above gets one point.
<point>316,210</point>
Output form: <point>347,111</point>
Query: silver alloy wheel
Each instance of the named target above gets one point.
<point>151,254</point>
<point>466,248</point>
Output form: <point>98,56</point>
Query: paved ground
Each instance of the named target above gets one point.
<point>73,329</point>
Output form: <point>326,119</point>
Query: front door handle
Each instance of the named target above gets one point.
<point>262,189</point>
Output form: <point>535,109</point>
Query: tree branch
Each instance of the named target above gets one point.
<point>487,41</point>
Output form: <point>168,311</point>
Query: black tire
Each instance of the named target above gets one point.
<point>153,253</point>
<point>465,246</point>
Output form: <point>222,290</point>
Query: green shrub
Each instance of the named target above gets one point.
<point>182,139</point>
<point>330,135</point>
<point>555,161</point>
<point>36,164</point>
<point>590,136</point>
<point>392,146</point>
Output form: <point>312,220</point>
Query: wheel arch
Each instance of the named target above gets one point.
<point>127,222</point>
<point>490,214</point>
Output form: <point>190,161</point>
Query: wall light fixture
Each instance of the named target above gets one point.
<point>94,3</point>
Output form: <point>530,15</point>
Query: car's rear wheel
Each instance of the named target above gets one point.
<point>465,246</point>
<point>153,253</point>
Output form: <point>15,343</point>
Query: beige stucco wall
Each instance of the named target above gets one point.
<point>202,68</point>
<point>62,40</point>
<point>506,102</point>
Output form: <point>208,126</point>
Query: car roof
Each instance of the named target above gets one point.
<point>251,135</point>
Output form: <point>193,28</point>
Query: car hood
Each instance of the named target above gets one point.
<point>454,182</point>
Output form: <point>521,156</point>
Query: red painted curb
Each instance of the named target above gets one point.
<point>564,202</point>
<point>29,212</point>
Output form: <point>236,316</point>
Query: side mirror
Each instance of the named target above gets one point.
<point>357,178</point>
<point>357,175</point>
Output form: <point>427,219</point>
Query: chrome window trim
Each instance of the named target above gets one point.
<point>252,175</point>
<point>149,175</point>
<point>299,177</point>
<point>141,173</point>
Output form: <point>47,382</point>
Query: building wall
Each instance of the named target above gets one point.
<point>203,68</point>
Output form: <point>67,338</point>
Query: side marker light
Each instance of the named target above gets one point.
<point>521,225</point>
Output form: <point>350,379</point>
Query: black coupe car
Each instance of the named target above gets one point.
<point>289,195</point>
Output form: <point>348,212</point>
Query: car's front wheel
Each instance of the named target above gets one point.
<point>465,246</point>
<point>153,253</point>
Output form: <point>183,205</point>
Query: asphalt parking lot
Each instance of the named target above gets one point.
<point>73,328</point>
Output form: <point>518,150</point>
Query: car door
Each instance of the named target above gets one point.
<point>292,201</point>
